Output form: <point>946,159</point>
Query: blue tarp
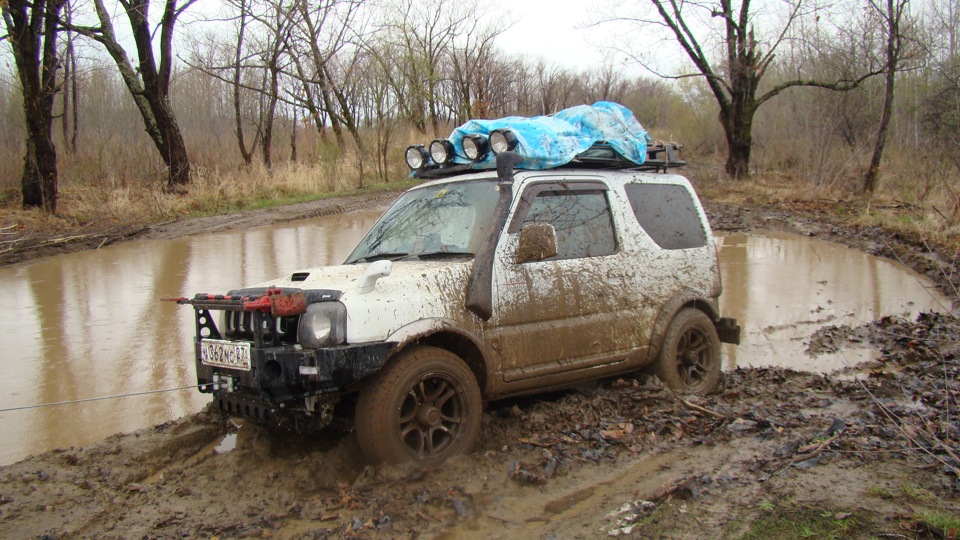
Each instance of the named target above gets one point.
<point>551,141</point>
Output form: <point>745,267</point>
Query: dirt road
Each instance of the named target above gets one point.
<point>773,454</point>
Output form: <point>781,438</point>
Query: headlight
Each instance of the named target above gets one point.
<point>324,324</point>
<point>441,150</point>
<point>502,140</point>
<point>474,147</point>
<point>416,156</point>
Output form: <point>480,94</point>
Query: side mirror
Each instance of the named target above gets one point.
<point>538,241</point>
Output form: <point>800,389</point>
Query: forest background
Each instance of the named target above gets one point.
<point>855,103</point>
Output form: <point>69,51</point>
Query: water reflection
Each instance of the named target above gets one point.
<point>90,324</point>
<point>783,287</point>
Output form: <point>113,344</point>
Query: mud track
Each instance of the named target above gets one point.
<point>25,247</point>
<point>622,457</point>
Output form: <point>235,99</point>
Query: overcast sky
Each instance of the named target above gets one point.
<point>548,28</point>
<point>559,31</point>
<point>552,29</point>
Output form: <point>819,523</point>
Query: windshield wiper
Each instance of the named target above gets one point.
<point>382,256</point>
<point>442,254</point>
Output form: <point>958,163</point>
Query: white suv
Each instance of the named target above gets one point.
<point>474,287</point>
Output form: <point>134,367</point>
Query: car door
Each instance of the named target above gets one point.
<point>571,311</point>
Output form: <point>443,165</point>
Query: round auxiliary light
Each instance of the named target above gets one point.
<point>416,156</point>
<point>502,140</point>
<point>474,147</point>
<point>441,150</point>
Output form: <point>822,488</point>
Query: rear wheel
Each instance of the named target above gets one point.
<point>689,360</point>
<point>424,406</point>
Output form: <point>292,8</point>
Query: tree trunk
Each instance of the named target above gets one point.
<point>71,117</point>
<point>892,20</point>
<point>173,149</point>
<point>737,123</point>
<point>178,160</point>
<point>39,179</point>
<point>738,158</point>
<point>149,83</point>
<point>873,171</point>
<point>32,29</point>
<point>31,191</point>
<point>269,115</point>
<point>246,155</point>
<point>75,99</point>
<point>293,136</point>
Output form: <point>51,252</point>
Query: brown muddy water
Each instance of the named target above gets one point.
<point>90,324</point>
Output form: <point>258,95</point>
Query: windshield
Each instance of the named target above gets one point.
<point>438,221</point>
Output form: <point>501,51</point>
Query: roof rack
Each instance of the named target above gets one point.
<point>660,157</point>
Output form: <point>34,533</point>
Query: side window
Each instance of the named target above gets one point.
<point>580,217</point>
<point>668,214</point>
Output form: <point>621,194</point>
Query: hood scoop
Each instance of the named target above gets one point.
<point>299,276</point>
<point>375,271</point>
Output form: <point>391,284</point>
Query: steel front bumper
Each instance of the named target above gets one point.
<point>287,380</point>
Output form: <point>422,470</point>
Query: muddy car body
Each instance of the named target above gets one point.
<point>553,320</point>
<point>473,287</point>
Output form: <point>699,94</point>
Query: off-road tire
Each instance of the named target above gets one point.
<point>424,406</point>
<point>689,361</point>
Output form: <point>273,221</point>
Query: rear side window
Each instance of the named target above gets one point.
<point>581,218</point>
<point>668,214</point>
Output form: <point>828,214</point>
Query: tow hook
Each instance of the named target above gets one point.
<point>224,382</point>
<point>728,330</point>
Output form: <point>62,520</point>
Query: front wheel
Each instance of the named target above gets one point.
<point>689,361</point>
<point>424,406</point>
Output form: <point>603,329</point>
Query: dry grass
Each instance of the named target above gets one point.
<point>110,202</point>
<point>921,201</point>
<point>918,196</point>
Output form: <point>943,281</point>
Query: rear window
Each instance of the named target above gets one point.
<point>668,214</point>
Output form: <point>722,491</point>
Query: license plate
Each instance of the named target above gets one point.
<point>228,354</point>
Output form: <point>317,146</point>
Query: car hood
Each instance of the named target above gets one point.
<point>346,278</point>
<point>412,292</point>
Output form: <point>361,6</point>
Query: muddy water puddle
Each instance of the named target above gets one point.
<point>89,324</point>
<point>783,287</point>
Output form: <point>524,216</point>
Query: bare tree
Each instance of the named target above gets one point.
<point>321,31</point>
<point>941,103</point>
<point>553,86</point>
<point>421,35</point>
<point>32,30</point>
<point>380,105</point>
<point>245,153</point>
<point>149,82</point>
<point>891,16</point>
<point>278,24</point>
<point>734,78</point>
<point>472,55</point>
<point>604,83</point>
<point>70,119</point>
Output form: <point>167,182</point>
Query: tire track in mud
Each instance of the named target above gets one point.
<point>586,503</point>
<point>270,216</point>
<point>586,453</point>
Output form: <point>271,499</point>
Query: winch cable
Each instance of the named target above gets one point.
<point>101,398</point>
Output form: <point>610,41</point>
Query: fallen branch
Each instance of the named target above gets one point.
<point>900,423</point>
<point>813,453</point>
<point>65,239</point>
<point>702,409</point>
<point>698,408</point>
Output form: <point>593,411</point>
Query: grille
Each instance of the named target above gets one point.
<point>260,328</point>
